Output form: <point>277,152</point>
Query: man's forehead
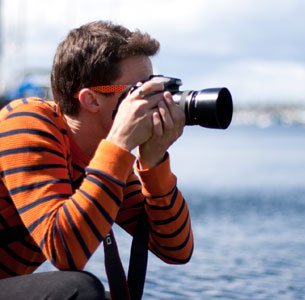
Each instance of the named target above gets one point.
<point>135,69</point>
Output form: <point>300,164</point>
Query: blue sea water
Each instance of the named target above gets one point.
<point>245,187</point>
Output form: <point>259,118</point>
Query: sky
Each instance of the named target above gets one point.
<point>255,48</point>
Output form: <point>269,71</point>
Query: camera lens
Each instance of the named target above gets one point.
<point>211,108</point>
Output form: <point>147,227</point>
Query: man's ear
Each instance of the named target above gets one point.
<point>88,100</point>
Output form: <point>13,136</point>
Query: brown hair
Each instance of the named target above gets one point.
<point>90,55</point>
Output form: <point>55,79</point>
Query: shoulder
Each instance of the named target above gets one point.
<point>33,107</point>
<point>28,104</point>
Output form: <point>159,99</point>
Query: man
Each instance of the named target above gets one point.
<point>67,168</point>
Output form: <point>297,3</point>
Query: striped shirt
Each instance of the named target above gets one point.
<point>57,204</point>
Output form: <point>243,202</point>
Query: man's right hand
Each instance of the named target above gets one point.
<point>133,123</point>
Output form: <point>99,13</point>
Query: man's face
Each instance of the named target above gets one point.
<point>133,69</point>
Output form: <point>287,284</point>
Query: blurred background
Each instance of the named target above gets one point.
<point>245,185</point>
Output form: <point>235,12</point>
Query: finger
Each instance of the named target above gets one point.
<point>147,88</point>
<point>137,88</point>
<point>176,112</point>
<point>157,124</point>
<point>152,86</point>
<point>165,115</point>
<point>150,91</point>
<point>139,93</point>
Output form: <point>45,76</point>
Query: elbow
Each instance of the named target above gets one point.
<point>180,257</point>
<point>188,258</point>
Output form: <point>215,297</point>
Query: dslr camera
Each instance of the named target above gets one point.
<point>210,108</point>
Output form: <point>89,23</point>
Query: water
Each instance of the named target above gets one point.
<point>246,192</point>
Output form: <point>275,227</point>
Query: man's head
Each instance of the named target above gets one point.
<point>90,56</point>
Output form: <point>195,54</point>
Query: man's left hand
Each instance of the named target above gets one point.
<point>168,124</point>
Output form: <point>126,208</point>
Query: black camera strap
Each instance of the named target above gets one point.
<point>114,269</point>
<point>138,259</point>
<point>120,288</point>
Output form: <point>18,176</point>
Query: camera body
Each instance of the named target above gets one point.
<point>211,108</point>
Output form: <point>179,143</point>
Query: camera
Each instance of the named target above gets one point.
<point>210,108</point>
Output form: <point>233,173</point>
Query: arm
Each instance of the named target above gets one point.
<point>170,236</point>
<point>34,161</point>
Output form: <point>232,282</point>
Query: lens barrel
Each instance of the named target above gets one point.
<point>210,108</point>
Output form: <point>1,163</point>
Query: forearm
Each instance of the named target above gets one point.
<point>88,215</point>
<point>171,235</point>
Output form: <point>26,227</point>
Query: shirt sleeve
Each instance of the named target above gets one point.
<point>170,237</point>
<point>67,225</point>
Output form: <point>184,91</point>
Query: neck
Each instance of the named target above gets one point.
<point>85,133</point>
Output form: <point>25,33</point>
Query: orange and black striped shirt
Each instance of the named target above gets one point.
<point>57,204</point>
